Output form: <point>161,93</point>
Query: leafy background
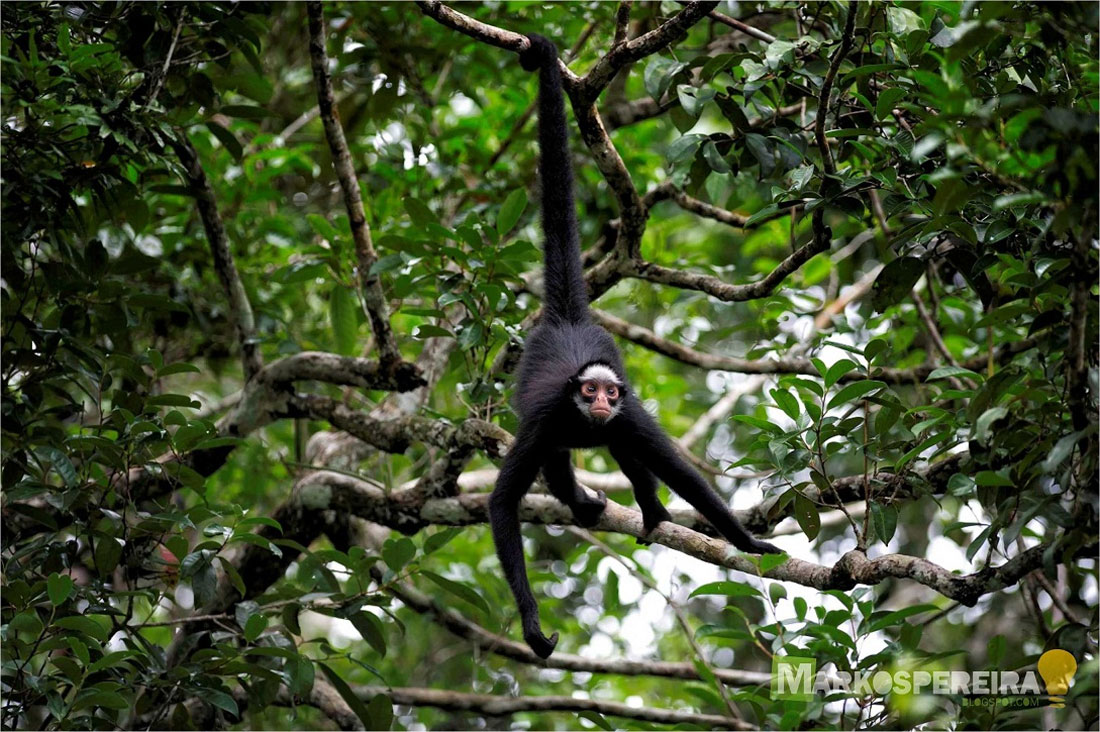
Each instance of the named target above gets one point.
<point>924,383</point>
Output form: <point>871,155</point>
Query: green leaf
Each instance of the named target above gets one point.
<point>787,402</point>
<point>730,589</point>
<point>431,331</point>
<point>805,513</point>
<point>895,282</point>
<point>945,372</point>
<point>108,552</point>
<point>371,629</point>
<point>983,429</point>
<point>58,588</point>
<point>398,552</point>
<point>838,370</point>
<point>596,719</point>
<point>759,423</point>
<point>420,214</point>
<point>1061,451</point>
<point>898,616</point>
<point>255,625</point>
<point>301,674</point>
<point>83,624</point>
<point>245,111</point>
<point>289,615</point>
<point>219,699</point>
<point>60,463</point>
<point>380,709</point>
<point>459,590</point>
<point>322,226</point>
<point>471,335</point>
<point>887,100</point>
<point>714,159</point>
<point>440,538</point>
<point>228,140</point>
<point>347,694</point>
<point>768,562</point>
<point>885,521</point>
<point>234,574</point>
<point>511,211</point>
<point>854,391</point>
<point>659,74</point>
<point>178,368</point>
<point>345,326</point>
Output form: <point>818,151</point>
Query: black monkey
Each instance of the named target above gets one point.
<point>572,390</point>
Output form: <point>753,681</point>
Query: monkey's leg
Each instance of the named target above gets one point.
<point>655,450</point>
<point>645,488</point>
<point>558,472</point>
<point>520,467</point>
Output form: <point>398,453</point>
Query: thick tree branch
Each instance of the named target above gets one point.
<point>396,434</point>
<point>240,310</point>
<point>408,511</point>
<point>370,284</point>
<point>496,706</point>
<point>345,371</point>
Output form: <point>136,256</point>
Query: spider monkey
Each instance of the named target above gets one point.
<point>572,390</point>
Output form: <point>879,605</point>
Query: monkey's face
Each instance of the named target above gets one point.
<point>598,393</point>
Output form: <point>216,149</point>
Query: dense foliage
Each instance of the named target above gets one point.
<point>190,540</point>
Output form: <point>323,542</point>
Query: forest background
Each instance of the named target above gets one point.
<point>267,269</point>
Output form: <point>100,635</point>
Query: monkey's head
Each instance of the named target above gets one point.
<point>598,392</point>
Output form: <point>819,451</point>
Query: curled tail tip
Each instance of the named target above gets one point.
<point>539,52</point>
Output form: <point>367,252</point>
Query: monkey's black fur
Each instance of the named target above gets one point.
<point>557,351</point>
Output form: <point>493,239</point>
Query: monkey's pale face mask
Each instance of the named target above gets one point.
<point>598,393</point>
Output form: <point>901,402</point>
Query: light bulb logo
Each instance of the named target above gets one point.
<point>1057,668</point>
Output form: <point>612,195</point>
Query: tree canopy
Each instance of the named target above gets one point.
<point>267,271</point>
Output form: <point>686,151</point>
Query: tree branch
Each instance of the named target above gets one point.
<point>240,310</point>
<point>496,706</point>
<point>673,29</point>
<point>369,283</point>
<point>668,192</point>
<point>502,646</point>
<point>343,370</point>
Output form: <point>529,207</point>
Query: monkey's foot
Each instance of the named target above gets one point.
<point>651,518</point>
<point>540,644</point>
<point>587,510</point>
<point>760,547</point>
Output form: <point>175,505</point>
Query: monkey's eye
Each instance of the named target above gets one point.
<point>612,392</point>
<point>589,388</point>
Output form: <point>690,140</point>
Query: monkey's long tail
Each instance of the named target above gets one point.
<point>566,296</point>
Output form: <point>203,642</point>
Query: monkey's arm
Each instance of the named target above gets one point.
<point>655,450</point>
<point>521,465</point>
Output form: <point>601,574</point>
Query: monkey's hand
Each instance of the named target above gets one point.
<point>540,644</point>
<point>587,510</point>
